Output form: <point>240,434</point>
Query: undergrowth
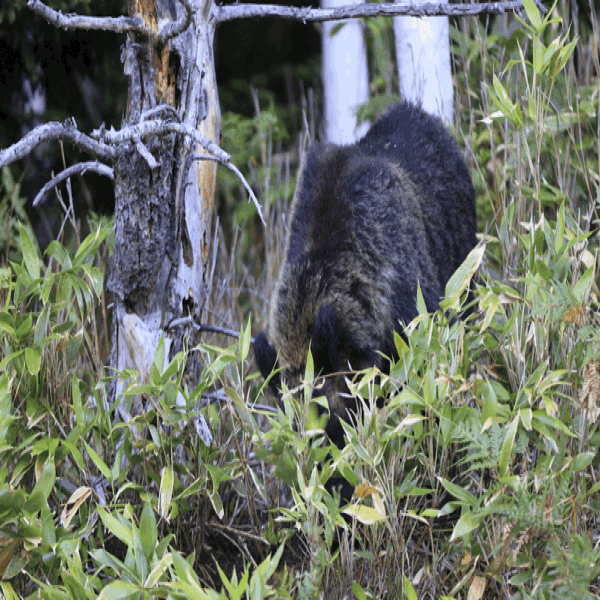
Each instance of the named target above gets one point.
<point>478,478</point>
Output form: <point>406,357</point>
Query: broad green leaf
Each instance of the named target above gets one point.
<point>159,357</point>
<point>59,254</point>
<point>77,404</point>
<point>104,559</point>
<point>148,530</point>
<point>461,278</point>
<point>460,493</point>
<point>409,590</point>
<point>543,270</point>
<point>581,461</point>
<point>244,340</point>
<point>158,571</point>
<point>100,464</point>
<point>41,325</point>
<point>465,524</point>
<point>45,483</point>
<point>6,327</point>
<point>364,514</point>
<point>533,14</point>
<point>30,255</point>
<point>25,327</point>
<point>525,416</point>
<point>490,304</point>
<point>16,565</point>
<point>507,446</point>
<point>120,530</point>
<point>358,592</point>
<point>118,589</point>
<point>73,585</point>
<point>581,290</point>
<point>33,360</point>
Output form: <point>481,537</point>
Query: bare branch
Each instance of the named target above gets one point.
<point>116,24</point>
<point>55,131</point>
<point>171,30</point>
<point>234,169</point>
<point>145,154</point>
<point>429,9</point>
<point>204,327</point>
<point>78,169</point>
<point>158,109</point>
<point>220,395</point>
<point>147,128</point>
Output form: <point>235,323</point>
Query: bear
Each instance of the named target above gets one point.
<point>369,221</point>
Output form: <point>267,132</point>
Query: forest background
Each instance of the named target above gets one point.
<point>481,474</point>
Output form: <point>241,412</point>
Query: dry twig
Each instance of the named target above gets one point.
<point>78,169</point>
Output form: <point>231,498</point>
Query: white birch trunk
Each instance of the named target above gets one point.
<point>345,78</point>
<point>424,70</point>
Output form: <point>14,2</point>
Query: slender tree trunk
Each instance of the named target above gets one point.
<point>163,210</point>
<point>423,53</point>
<point>345,78</point>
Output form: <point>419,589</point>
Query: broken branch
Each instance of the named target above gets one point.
<point>78,169</point>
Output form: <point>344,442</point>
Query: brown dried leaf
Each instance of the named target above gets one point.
<point>588,395</point>
<point>477,588</point>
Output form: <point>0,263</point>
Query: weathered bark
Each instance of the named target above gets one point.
<point>163,212</point>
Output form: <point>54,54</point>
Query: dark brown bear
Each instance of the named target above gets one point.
<point>368,222</point>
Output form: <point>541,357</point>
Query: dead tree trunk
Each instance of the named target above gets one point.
<point>163,208</point>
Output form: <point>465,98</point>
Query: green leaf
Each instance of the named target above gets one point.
<point>581,461</point>
<point>359,593</point>
<point>24,329</point>
<point>159,357</point>
<point>59,254</point>
<point>409,590</point>
<point>158,571</point>
<point>16,565</point>
<point>41,325</point>
<point>463,495</point>
<point>77,404</point>
<point>90,245</point>
<point>543,270</point>
<point>46,481</point>
<point>141,562</point>
<point>244,341</point>
<point>148,530</point>
<point>75,588</point>
<point>217,503</point>
<point>525,416</point>
<point>120,530</point>
<point>533,14</point>
<point>33,360</point>
<point>507,446</point>
<point>118,589</point>
<point>106,560</point>
<point>337,27</point>
<point>30,255</point>
<point>581,290</point>
<point>461,278</point>
<point>465,524</point>
<point>421,306</point>
<point>6,327</point>
<point>100,464</point>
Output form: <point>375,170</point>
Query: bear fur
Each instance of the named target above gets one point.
<point>368,221</point>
